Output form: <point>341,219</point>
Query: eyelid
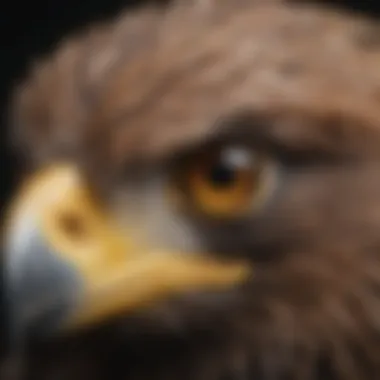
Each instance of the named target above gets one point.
<point>260,130</point>
<point>201,197</point>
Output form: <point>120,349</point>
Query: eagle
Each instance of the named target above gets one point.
<point>202,197</point>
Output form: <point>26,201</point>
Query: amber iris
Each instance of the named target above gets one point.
<point>224,182</point>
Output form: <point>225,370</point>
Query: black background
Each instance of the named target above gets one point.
<point>30,28</point>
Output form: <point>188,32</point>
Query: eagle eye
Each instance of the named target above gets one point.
<point>224,182</point>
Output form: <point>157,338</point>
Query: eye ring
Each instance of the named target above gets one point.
<point>225,182</point>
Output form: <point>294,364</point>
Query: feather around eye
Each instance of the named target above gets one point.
<point>227,182</point>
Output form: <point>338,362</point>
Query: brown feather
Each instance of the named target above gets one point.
<point>306,82</point>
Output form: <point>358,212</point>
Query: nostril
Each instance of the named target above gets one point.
<point>73,226</point>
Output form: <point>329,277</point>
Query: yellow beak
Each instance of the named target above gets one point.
<point>68,265</point>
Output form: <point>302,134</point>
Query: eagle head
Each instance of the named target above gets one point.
<point>203,199</point>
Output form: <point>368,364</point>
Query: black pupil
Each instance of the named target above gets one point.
<point>222,175</point>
